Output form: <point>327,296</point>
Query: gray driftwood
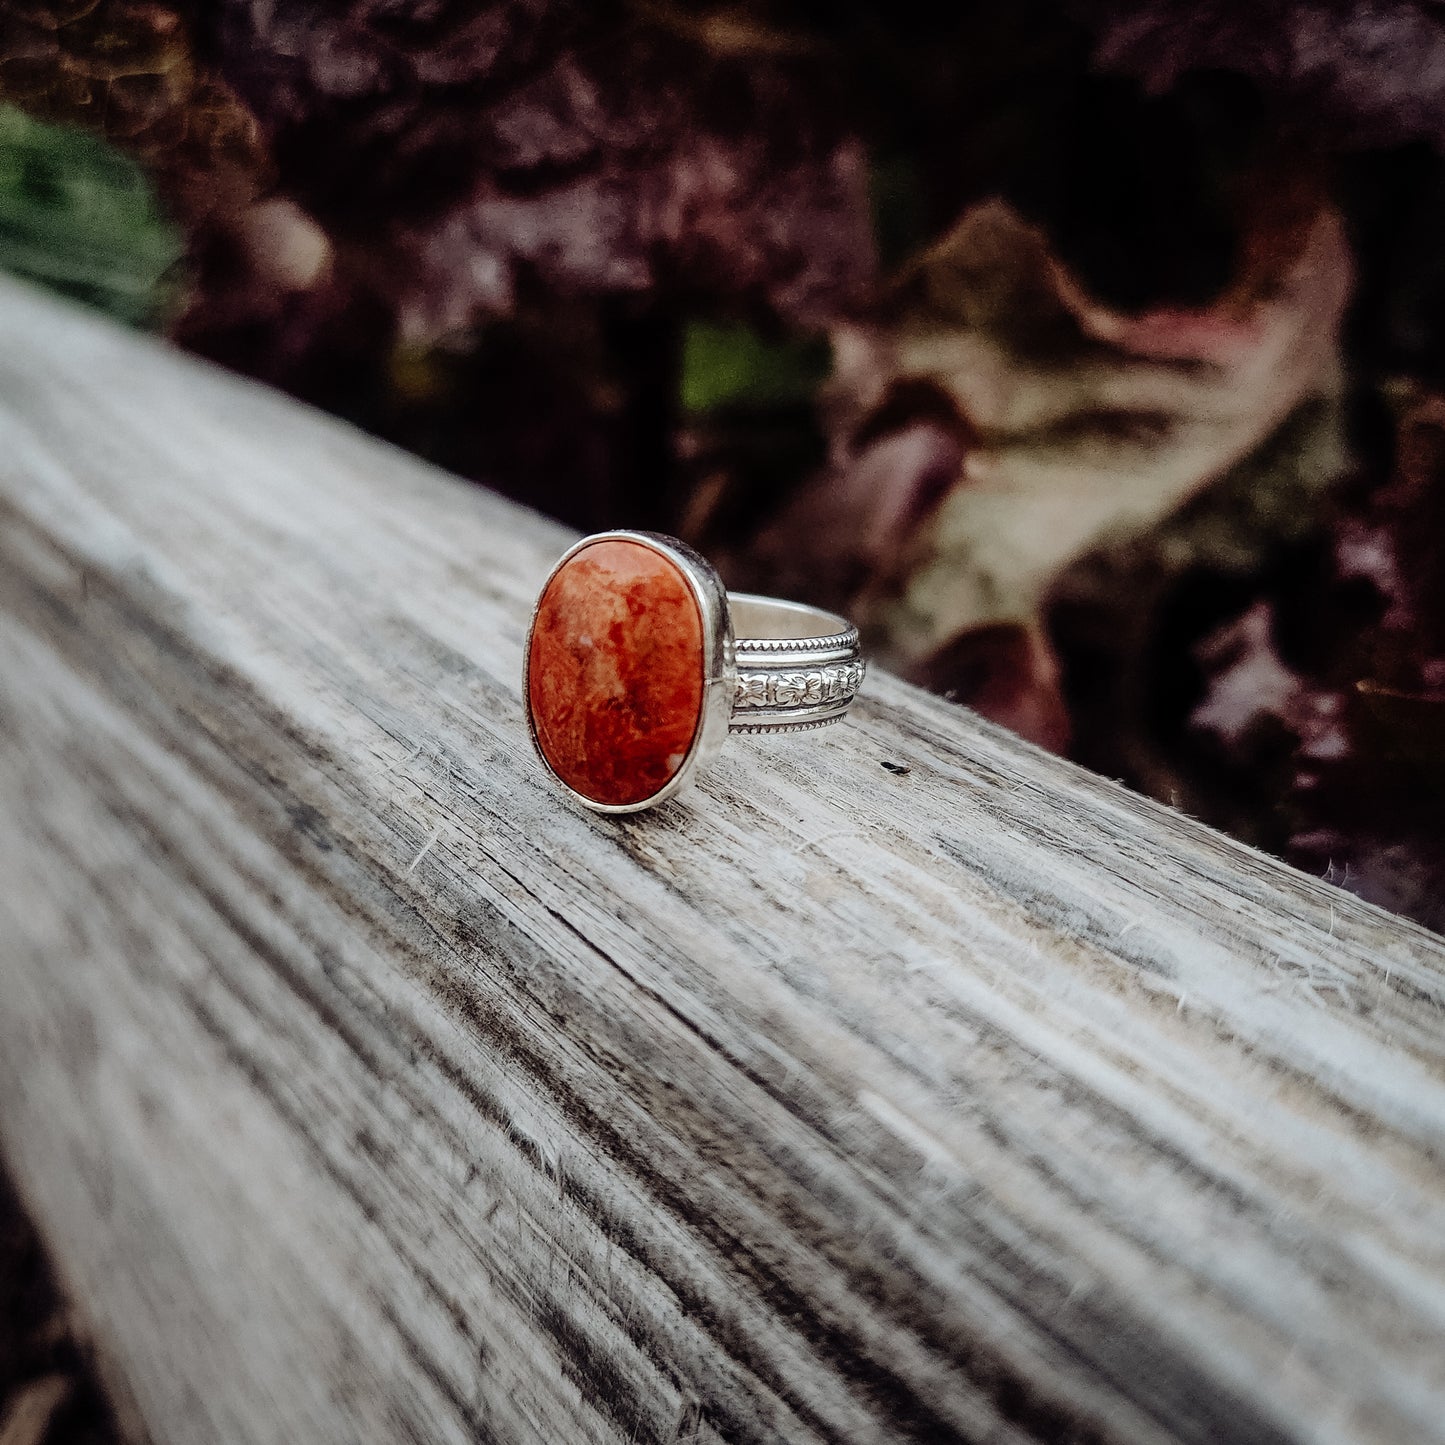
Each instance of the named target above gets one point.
<point>366,1091</point>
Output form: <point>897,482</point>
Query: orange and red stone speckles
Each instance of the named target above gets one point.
<point>615,671</point>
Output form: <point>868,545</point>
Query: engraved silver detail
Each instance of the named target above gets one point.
<point>836,642</point>
<point>789,698</point>
<point>740,726</point>
<point>834,683</point>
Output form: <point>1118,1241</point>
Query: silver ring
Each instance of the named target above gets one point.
<point>634,674</point>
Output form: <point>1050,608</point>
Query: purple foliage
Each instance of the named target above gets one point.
<point>552,147</point>
<point>1329,701</point>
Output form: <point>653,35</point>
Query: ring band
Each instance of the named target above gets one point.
<point>797,666</point>
<point>633,674</point>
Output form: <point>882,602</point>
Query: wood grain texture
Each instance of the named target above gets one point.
<point>366,1091</point>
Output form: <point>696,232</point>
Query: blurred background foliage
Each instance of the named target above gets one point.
<point>81,217</point>
<point>725,366</point>
<point>1091,355</point>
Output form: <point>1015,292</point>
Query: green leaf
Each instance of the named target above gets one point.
<point>733,366</point>
<point>79,217</point>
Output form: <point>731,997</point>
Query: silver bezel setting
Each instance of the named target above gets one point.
<point>719,666</point>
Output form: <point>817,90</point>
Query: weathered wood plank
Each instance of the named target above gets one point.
<point>366,1091</point>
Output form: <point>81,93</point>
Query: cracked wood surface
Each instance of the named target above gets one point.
<point>364,1090</point>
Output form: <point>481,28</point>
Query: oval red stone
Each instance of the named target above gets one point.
<point>616,671</point>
